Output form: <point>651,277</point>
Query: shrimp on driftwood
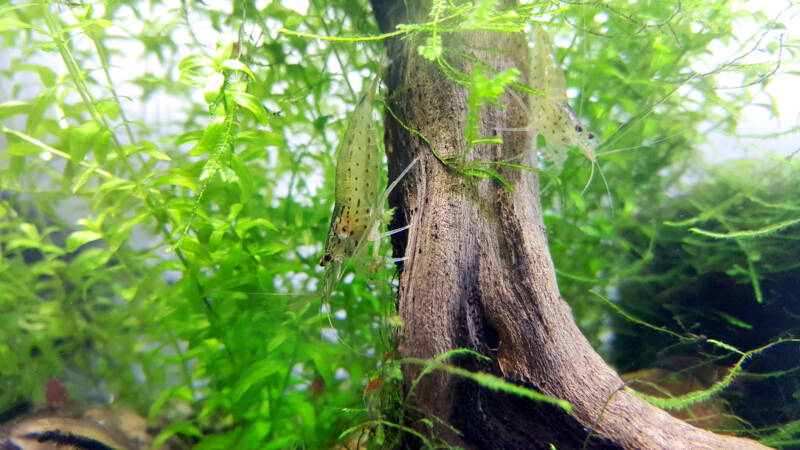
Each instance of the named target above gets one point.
<point>358,208</point>
<point>550,113</point>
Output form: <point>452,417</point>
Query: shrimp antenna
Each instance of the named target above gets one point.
<point>605,183</point>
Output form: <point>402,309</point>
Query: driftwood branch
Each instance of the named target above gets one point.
<point>479,275</point>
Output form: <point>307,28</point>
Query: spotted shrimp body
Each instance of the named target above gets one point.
<point>551,115</point>
<point>357,193</point>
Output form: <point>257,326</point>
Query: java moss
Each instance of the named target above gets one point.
<point>725,266</point>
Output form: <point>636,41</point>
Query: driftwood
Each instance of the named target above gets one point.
<point>479,275</point>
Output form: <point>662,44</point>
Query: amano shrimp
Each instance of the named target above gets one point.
<point>550,114</point>
<point>358,199</point>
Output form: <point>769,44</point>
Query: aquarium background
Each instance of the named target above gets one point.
<point>166,184</point>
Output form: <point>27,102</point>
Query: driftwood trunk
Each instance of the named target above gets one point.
<point>479,275</point>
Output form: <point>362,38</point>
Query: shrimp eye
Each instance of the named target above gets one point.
<point>326,259</point>
<point>591,135</point>
<point>578,128</point>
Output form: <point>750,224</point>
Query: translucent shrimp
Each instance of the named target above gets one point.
<point>357,184</point>
<point>358,208</point>
<point>551,115</point>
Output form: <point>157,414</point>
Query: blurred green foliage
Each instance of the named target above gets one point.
<point>167,180</point>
